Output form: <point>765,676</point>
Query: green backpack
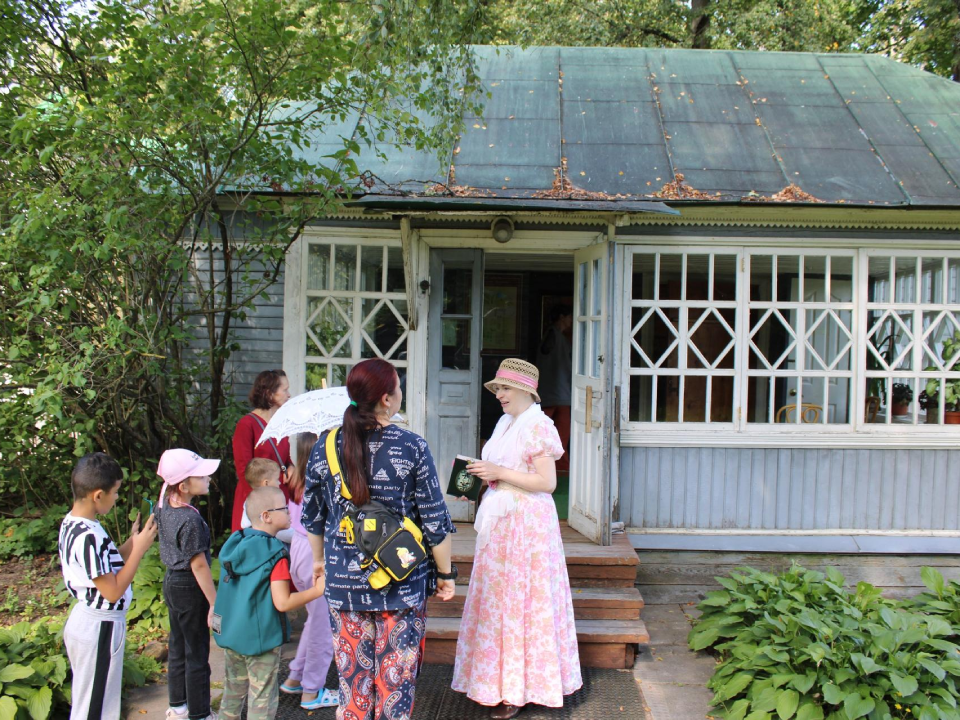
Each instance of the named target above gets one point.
<point>245,619</point>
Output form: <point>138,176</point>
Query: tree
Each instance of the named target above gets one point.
<point>131,133</point>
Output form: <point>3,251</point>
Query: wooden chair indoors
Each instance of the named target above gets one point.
<point>872,408</point>
<point>809,413</point>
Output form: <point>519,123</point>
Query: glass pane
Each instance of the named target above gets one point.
<point>903,395</point>
<point>953,281</point>
<point>829,341</point>
<point>455,350</point>
<point>582,348</point>
<point>597,280</point>
<point>788,278</point>
<point>698,277</point>
<point>814,401</point>
<point>761,278</point>
<point>906,280</point>
<point>758,400</point>
<point>595,347</point>
<point>773,400</point>
<point>457,291</point>
<point>383,327</point>
<point>668,398</point>
<point>671,274</point>
<point>582,290</point>
<point>841,275</point>
<point>838,408</point>
<point>641,397</point>
<point>711,342</point>
<point>371,269</point>
<point>345,267</point>
<point>643,276</point>
<point>774,339</point>
<point>694,398</point>
<point>721,399</point>
<point>318,267</point>
<point>395,278</point>
<point>878,283</point>
<point>725,277</point>
<point>327,325</point>
<point>815,278</point>
<point>339,374</point>
<point>942,333</point>
<point>656,336</point>
<point>931,280</point>
<point>316,374</point>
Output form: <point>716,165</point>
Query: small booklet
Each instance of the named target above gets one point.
<point>462,483</point>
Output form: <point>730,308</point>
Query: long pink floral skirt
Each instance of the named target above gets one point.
<point>518,642</point>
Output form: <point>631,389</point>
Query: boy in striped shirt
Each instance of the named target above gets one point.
<point>98,574</point>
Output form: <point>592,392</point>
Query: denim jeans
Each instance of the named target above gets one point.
<point>188,663</point>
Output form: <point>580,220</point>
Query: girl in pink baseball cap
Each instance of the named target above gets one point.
<point>188,587</point>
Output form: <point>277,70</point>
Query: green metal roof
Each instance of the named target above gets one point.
<point>854,129</point>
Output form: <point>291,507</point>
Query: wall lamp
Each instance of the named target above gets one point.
<point>502,229</point>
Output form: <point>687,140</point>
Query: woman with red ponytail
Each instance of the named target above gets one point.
<point>377,629</point>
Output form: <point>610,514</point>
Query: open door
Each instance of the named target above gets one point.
<point>453,373</point>
<point>590,440</point>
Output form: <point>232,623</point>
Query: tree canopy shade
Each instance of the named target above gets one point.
<point>130,130</point>
<point>923,32</point>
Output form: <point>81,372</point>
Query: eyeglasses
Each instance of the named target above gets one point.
<point>284,508</point>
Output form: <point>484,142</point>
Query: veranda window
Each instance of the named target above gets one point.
<point>756,340</point>
<point>356,307</point>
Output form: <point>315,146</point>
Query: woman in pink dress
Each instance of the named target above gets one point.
<point>518,641</point>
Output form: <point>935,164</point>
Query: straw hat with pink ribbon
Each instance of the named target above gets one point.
<point>516,373</point>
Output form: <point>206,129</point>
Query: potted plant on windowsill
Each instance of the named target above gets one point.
<point>902,397</point>
<point>951,388</point>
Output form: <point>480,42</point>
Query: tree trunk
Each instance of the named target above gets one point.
<point>700,24</point>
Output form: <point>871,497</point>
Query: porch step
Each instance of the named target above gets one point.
<point>602,643</point>
<point>588,604</point>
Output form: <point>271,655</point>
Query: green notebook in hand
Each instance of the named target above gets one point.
<point>462,483</point>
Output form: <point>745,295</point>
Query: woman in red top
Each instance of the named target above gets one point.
<point>270,390</point>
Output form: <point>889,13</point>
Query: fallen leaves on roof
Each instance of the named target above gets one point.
<point>563,189</point>
<point>791,193</point>
<point>679,190</point>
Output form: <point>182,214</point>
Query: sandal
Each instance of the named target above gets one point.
<point>326,698</point>
<point>505,711</point>
<point>291,689</point>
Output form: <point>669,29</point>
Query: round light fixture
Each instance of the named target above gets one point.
<point>502,229</point>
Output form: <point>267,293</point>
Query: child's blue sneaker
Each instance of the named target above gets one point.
<point>291,689</point>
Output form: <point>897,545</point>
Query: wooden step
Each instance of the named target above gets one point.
<point>602,643</point>
<point>588,604</point>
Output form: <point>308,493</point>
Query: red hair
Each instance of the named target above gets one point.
<point>367,383</point>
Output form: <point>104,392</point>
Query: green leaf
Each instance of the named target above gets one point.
<point>803,683</point>
<point>8,708</point>
<point>905,685</point>
<point>866,664</point>
<point>704,639</point>
<point>835,576</point>
<point>933,580</point>
<point>855,705</point>
<point>733,687</point>
<point>810,711</point>
<point>14,672</point>
<point>929,712</point>
<point>787,702</point>
<point>832,694</point>
<point>933,668</point>
<point>716,598</point>
<point>738,710</point>
<point>39,705</point>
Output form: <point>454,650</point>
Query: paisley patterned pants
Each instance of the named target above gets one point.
<point>378,658</point>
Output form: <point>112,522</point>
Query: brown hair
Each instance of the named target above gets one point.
<point>260,470</point>
<point>297,480</point>
<point>367,382</point>
<point>264,387</point>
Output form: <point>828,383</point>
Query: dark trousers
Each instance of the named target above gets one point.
<point>188,664</point>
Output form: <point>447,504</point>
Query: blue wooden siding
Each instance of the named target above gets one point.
<point>789,489</point>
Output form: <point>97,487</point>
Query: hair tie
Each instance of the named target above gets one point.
<point>353,403</point>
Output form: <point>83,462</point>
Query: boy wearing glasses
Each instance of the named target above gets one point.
<point>255,592</point>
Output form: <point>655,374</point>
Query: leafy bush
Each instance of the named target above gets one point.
<point>799,645</point>
<point>30,532</point>
<point>148,610</point>
<point>942,598</point>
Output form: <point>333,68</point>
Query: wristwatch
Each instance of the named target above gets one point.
<point>452,575</point>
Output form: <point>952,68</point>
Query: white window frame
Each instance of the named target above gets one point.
<point>857,434</point>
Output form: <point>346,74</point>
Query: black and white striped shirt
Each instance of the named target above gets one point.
<point>87,552</point>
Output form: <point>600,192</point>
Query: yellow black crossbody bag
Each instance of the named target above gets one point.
<point>383,538</point>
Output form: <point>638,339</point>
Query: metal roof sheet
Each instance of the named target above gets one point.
<point>852,129</point>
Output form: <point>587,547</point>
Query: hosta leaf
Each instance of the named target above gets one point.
<point>938,626</point>
<point>951,666</point>
<point>933,580</point>
<point>14,672</point>
<point>832,694</point>
<point>758,715</point>
<point>733,687</point>
<point>803,683</point>
<point>855,705</point>
<point>940,692</point>
<point>39,705</point>
<point>929,712</point>
<point>835,576</point>
<point>766,701</point>
<point>810,711</point>
<point>701,640</point>
<point>866,664</point>
<point>933,668</point>
<point>787,702</point>
<point>727,583</point>
<point>943,645</point>
<point>717,598</point>
<point>8,708</point>
<point>738,710</point>
<point>904,684</point>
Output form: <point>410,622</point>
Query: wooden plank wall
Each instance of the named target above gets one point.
<point>685,577</point>
<point>789,489</point>
<point>259,334</point>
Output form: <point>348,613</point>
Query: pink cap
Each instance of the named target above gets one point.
<point>178,464</point>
